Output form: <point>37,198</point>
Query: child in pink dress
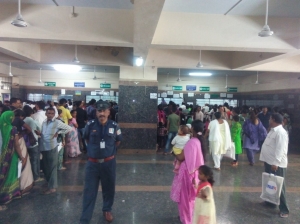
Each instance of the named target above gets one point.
<point>204,210</point>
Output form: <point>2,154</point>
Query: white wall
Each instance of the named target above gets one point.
<point>31,78</point>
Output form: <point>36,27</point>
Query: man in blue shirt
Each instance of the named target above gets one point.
<point>50,130</point>
<point>102,136</point>
<point>264,117</point>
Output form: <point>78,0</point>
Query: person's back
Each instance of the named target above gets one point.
<point>174,122</point>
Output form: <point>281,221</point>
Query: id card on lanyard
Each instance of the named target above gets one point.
<point>103,133</point>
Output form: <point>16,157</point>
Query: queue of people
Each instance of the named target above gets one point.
<point>243,128</point>
<point>37,137</point>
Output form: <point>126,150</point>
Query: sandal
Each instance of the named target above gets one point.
<point>49,191</point>
<point>2,208</point>
<point>284,215</point>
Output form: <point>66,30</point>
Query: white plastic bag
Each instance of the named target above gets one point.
<point>230,153</point>
<point>271,188</point>
<point>19,168</point>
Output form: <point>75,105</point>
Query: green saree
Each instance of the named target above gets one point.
<point>9,182</point>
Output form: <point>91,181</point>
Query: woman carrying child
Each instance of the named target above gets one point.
<point>191,158</point>
<point>179,142</point>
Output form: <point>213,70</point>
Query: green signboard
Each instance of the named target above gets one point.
<point>232,89</point>
<point>177,87</point>
<point>49,83</point>
<point>214,96</point>
<point>204,89</point>
<point>105,85</point>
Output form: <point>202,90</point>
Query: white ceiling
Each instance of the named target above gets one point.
<point>277,8</point>
<point>117,4</point>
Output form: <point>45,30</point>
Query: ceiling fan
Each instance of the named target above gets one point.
<point>40,81</point>
<point>95,77</point>
<point>179,79</point>
<point>167,85</point>
<point>259,82</point>
<point>256,83</point>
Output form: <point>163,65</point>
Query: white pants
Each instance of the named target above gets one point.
<point>217,160</point>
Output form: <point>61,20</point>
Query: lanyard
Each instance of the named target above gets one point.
<point>102,130</point>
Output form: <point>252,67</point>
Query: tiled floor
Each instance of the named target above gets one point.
<point>142,195</point>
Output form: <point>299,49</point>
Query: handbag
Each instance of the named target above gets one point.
<point>230,152</point>
<point>271,188</point>
<point>29,139</point>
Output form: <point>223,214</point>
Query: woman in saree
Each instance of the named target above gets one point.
<point>9,158</point>
<point>192,158</point>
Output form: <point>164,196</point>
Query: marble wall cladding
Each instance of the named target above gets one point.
<point>135,105</point>
<point>138,138</point>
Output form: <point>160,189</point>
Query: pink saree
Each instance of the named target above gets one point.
<point>182,190</point>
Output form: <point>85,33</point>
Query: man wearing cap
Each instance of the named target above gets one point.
<point>102,136</point>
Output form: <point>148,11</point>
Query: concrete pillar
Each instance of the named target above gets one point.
<point>137,112</point>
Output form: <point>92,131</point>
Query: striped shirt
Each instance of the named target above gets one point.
<point>49,129</point>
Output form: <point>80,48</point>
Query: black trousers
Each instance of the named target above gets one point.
<point>94,173</point>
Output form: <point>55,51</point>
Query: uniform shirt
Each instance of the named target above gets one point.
<point>95,133</point>
<point>66,116</point>
<point>49,129</point>
<point>275,147</point>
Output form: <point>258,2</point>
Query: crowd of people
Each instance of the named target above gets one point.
<point>37,139</point>
<point>192,131</point>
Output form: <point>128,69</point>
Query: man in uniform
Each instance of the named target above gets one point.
<point>102,136</point>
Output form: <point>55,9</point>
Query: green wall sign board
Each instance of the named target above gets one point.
<point>177,87</point>
<point>105,85</point>
<point>204,89</point>
<point>232,89</point>
<point>49,83</point>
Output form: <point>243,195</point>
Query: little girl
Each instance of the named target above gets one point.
<point>179,142</point>
<point>205,211</point>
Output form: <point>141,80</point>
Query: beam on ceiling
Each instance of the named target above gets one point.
<point>266,58</point>
<point>146,17</point>
<point>29,52</point>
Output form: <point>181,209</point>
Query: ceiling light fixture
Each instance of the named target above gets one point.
<point>199,74</point>
<point>19,21</point>
<point>226,82</point>
<point>40,81</point>
<point>75,60</point>
<point>10,74</point>
<point>67,68</point>
<point>266,31</point>
<point>139,61</point>
<point>199,65</point>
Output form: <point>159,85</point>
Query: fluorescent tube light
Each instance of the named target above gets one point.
<point>67,68</point>
<point>200,74</point>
